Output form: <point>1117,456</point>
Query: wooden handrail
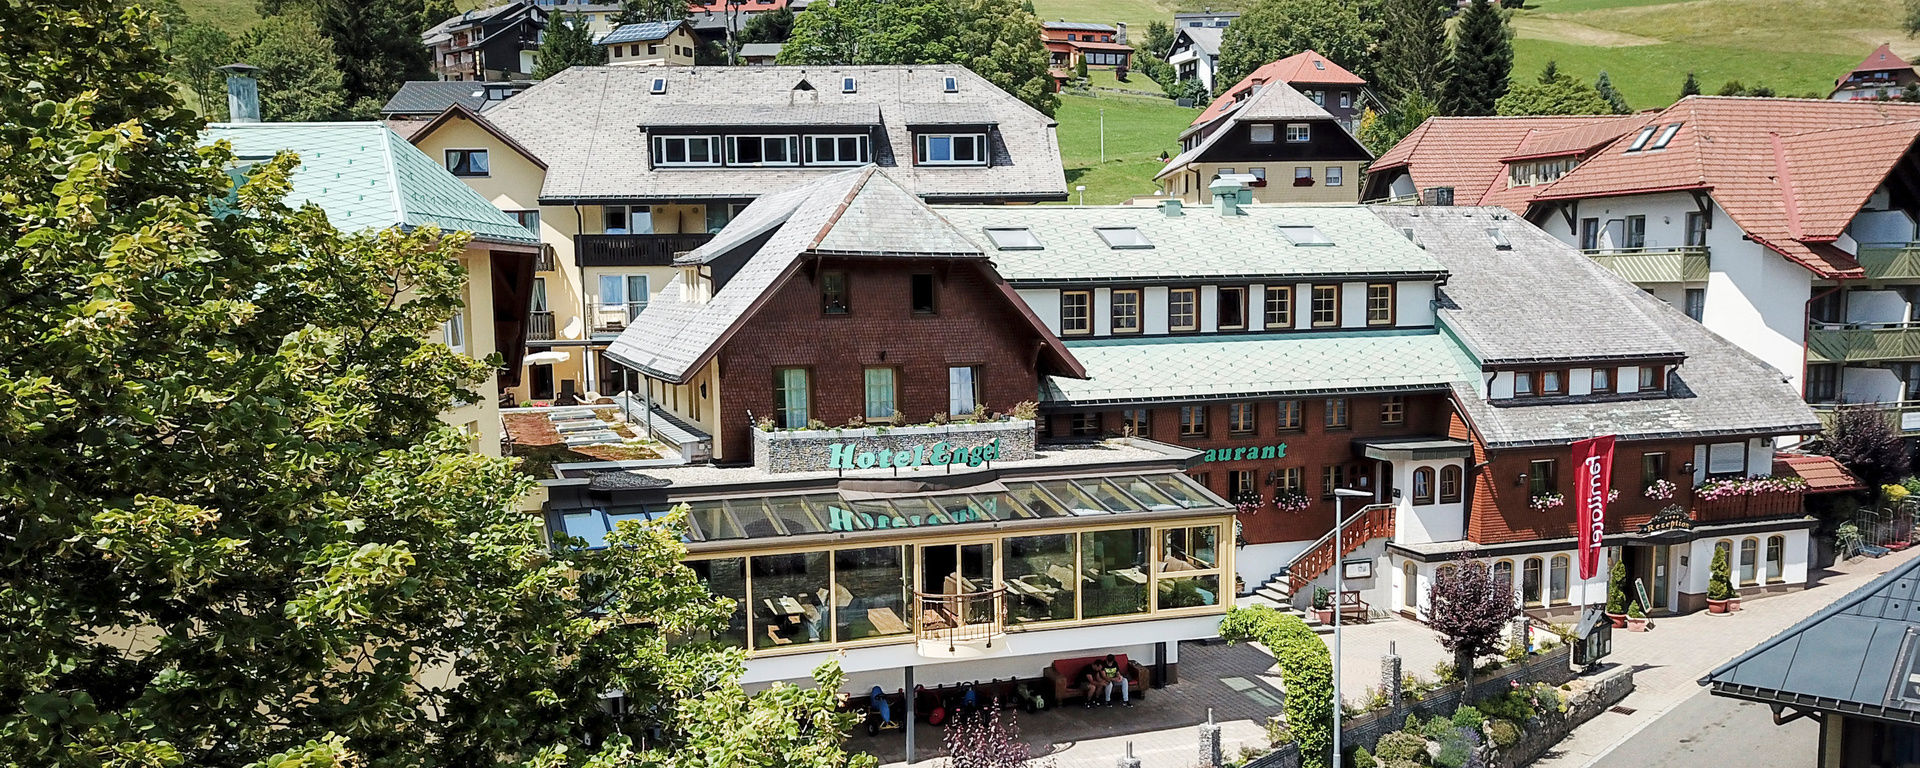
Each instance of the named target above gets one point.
<point>1371,522</point>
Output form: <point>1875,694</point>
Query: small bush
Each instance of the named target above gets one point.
<point>1453,753</point>
<point>1413,723</point>
<point>1401,746</point>
<point>1514,705</point>
<point>1446,672</point>
<point>1250,751</point>
<point>1548,698</point>
<point>1439,729</point>
<point>1505,733</point>
<point>1364,759</point>
<point>1468,717</point>
<point>1515,652</point>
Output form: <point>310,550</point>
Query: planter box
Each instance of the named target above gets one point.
<point>921,448</point>
<point>1747,507</point>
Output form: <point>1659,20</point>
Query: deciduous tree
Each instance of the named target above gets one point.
<point>773,26</point>
<point>1469,609</point>
<point>1413,54</point>
<point>635,11</point>
<point>568,42</point>
<point>1479,63</point>
<point>1000,41</point>
<point>299,76</point>
<point>1341,30</point>
<point>1553,93</point>
<point>1862,438</point>
<point>196,52</point>
<point>1379,131</point>
<point>997,39</point>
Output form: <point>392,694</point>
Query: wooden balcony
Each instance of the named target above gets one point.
<point>1760,507</point>
<point>1890,262</point>
<point>1686,264</point>
<point>1862,342</point>
<point>539,326</point>
<point>634,250</point>
<point>1903,414</point>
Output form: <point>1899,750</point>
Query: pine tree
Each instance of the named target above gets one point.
<point>1550,72</point>
<point>1480,63</point>
<point>1691,87</point>
<point>1604,85</point>
<point>568,43</point>
<point>378,45</point>
<point>1414,53</point>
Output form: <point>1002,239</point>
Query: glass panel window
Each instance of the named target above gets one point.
<point>1115,564</point>
<point>1749,562</point>
<point>1279,308</point>
<point>454,330</point>
<point>1410,586</point>
<point>1393,409</point>
<point>835,298</point>
<point>836,150</point>
<point>1193,421</point>
<point>528,219</point>
<point>1188,567</point>
<point>1696,229</point>
<point>1260,133</point>
<point>686,150</point>
<point>1135,422</point>
<point>963,389</point>
<point>1652,377</point>
<point>870,593</point>
<point>952,149</point>
<point>792,605</point>
<point>1183,313</point>
<point>794,396</point>
<point>1332,476</point>
<point>1557,580</point>
<point>1013,239</point>
<point>1635,232</point>
<point>1241,488</point>
<point>1041,585</point>
<point>1523,384</point>
<point>1540,477</point>
<point>467,162</point>
<point>1552,383</point>
<point>1602,380</point>
<point>1288,414</point>
<point>1449,485</point>
<point>1380,304</point>
<point>1423,485</point>
<point>761,150</point>
<point>1653,468</point>
<point>1336,176</point>
<point>1290,480</point>
<point>1123,237</point>
<point>1240,418</point>
<point>1076,313</point>
<point>880,403</point>
<point>1126,311</point>
<point>1232,309</point>
<point>1530,581</point>
<point>1776,557</point>
<point>1326,306</point>
<point>1503,573</point>
<point>726,577</point>
<point>1299,132</point>
<point>1336,413</point>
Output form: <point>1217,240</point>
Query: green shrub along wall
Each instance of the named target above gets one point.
<point>1306,668</point>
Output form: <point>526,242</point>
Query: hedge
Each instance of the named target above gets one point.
<point>1306,669</point>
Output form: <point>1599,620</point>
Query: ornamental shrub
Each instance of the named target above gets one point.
<point>1719,580</point>
<point>1306,669</point>
<point>1439,729</point>
<point>1453,753</point>
<point>1617,587</point>
<point>1364,759</point>
<point>1468,717</point>
<point>1505,733</point>
<point>1401,746</point>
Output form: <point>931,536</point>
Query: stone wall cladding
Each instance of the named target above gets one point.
<point>807,450</point>
<point>1365,730</point>
<point>1584,704</point>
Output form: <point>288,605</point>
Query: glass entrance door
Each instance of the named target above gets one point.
<point>1661,579</point>
<point>951,581</point>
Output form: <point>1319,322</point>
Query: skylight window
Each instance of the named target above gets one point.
<point>1123,237</point>
<point>1318,64</point>
<point>659,85</point>
<point>1665,136</point>
<point>1304,234</point>
<point>1499,238</point>
<point>849,85</point>
<point>952,84</point>
<point>1640,141</point>
<point>1013,238</point>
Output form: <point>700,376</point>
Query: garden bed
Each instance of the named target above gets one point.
<point>538,445</point>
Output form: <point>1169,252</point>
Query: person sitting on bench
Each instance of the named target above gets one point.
<point>1090,681</point>
<point>1110,675</point>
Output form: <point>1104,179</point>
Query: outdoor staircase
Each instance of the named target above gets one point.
<point>1371,522</point>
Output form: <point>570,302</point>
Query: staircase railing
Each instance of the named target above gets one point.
<point>1371,522</point>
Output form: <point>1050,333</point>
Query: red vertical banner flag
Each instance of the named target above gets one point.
<point>1593,475</point>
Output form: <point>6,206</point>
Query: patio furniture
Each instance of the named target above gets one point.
<point>1352,608</point>
<point>886,621</point>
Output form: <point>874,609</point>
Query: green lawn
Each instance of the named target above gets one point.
<point>1138,129</point>
<point>1104,78</point>
<point>1650,76</point>
<point>234,16</point>
<point>1136,13</point>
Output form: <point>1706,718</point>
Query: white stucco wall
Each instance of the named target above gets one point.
<point>1427,523</point>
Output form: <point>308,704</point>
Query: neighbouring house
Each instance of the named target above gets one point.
<point>760,54</point>
<point>1101,45</point>
<point>1785,225</point>
<point>1277,144</point>
<point>365,177</point>
<point>598,16</point>
<point>652,43</point>
<point>1208,18</point>
<point>1328,85</point>
<point>621,168</point>
<point>420,101</point>
<point>495,43</point>
<point>1882,75</point>
<point>1195,54</point>
<point>1853,667</point>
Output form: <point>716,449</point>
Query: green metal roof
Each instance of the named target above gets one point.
<point>1198,243</point>
<point>366,177</point>
<point>1254,365</point>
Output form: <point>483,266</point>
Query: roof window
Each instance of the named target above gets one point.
<point>1318,64</point>
<point>849,85</point>
<point>1640,141</point>
<point>1013,238</point>
<point>952,84</point>
<point>659,86</point>
<point>1500,241</point>
<point>1123,237</point>
<point>1665,136</point>
<point>1303,234</point>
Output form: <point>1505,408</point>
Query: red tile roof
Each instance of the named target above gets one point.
<point>1304,68</point>
<point>1466,153</point>
<point>1824,474</point>
<point>1882,58</point>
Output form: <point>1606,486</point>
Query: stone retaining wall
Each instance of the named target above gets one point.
<point>1586,702</point>
<point>1366,730</point>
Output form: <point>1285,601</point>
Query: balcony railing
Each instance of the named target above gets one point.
<point>1903,415</point>
<point>1766,505</point>
<point>539,326</point>
<point>1890,261</point>
<point>1685,264</point>
<point>945,623</point>
<point>634,250</point>
<point>1860,342</point>
<point>544,261</point>
<point>613,318</point>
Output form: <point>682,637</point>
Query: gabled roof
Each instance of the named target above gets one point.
<point>1077,26</point>
<point>431,97</point>
<point>460,112</point>
<point>1468,153</point>
<point>1304,68</point>
<point>1882,58</point>
<point>861,212</point>
<point>1274,101</point>
<point>642,32</point>
<point>1790,172</point>
<point>1853,656</point>
<point>366,177</point>
<point>590,125</point>
<point>1205,39</point>
<point>444,30</point>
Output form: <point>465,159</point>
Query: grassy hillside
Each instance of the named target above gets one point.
<point>1138,129</point>
<point>1136,13</point>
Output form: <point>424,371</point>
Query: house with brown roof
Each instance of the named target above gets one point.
<point>1102,45</point>
<point>1882,75</point>
<point>1784,225</point>
<point>1278,143</point>
<point>1330,86</point>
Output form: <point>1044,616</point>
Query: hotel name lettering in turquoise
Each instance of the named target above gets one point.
<point>849,456</point>
<point>841,519</point>
<point>1243,453</point>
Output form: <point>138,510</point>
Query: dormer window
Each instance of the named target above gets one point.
<point>951,84</point>
<point>1013,239</point>
<point>849,85</point>
<point>1640,140</point>
<point>1666,136</point>
<point>1299,133</point>
<point>951,148</point>
<point>1303,234</point>
<point>659,86</point>
<point>1123,237</point>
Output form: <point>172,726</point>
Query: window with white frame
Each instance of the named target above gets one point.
<point>951,148</point>
<point>623,297</point>
<point>1726,458</point>
<point>849,149</point>
<point>848,85</point>
<point>626,219</point>
<point>455,332</point>
<point>963,389</point>
<point>880,394</point>
<point>762,150</point>
<point>1260,133</point>
<point>950,84</point>
<point>686,150</point>
<point>1336,176</point>
<point>1298,133</point>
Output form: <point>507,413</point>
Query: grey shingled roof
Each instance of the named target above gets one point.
<point>588,125</point>
<point>1845,658</point>
<point>639,33</point>
<point>1139,370</point>
<point>1273,102</point>
<point>757,50</point>
<point>1542,300</point>
<point>1199,243</point>
<point>431,97</point>
<point>1207,39</point>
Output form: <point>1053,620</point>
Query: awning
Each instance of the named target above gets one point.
<point>1416,448</point>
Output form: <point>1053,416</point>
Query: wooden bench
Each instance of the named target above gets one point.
<point>1352,608</point>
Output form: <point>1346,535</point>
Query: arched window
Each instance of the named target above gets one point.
<point>1410,586</point>
<point>1530,581</point>
<point>1503,574</point>
<point>1749,562</point>
<point>1776,558</point>
<point>1423,485</point>
<point>1449,485</point>
<point>1557,580</point>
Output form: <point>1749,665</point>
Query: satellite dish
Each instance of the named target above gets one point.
<point>572,331</point>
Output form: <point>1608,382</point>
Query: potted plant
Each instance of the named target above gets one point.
<point>1322,605</point>
<point>1719,585</point>
<point>1636,618</point>
<point>1617,594</point>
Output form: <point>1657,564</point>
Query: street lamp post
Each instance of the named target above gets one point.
<point>1339,585</point>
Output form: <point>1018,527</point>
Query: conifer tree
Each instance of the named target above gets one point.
<point>1615,101</point>
<point>1480,63</point>
<point>1691,87</point>
<point>1414,53</point>
<point>568,43</point>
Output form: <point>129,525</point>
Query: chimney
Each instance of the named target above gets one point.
<point>243,93</point>
<point>1227,195</point>
<point>1436,196</point>
<point>1171,208</point>
<point>1120,32</point>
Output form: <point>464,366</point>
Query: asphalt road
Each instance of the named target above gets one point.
<point>1712,730</point>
